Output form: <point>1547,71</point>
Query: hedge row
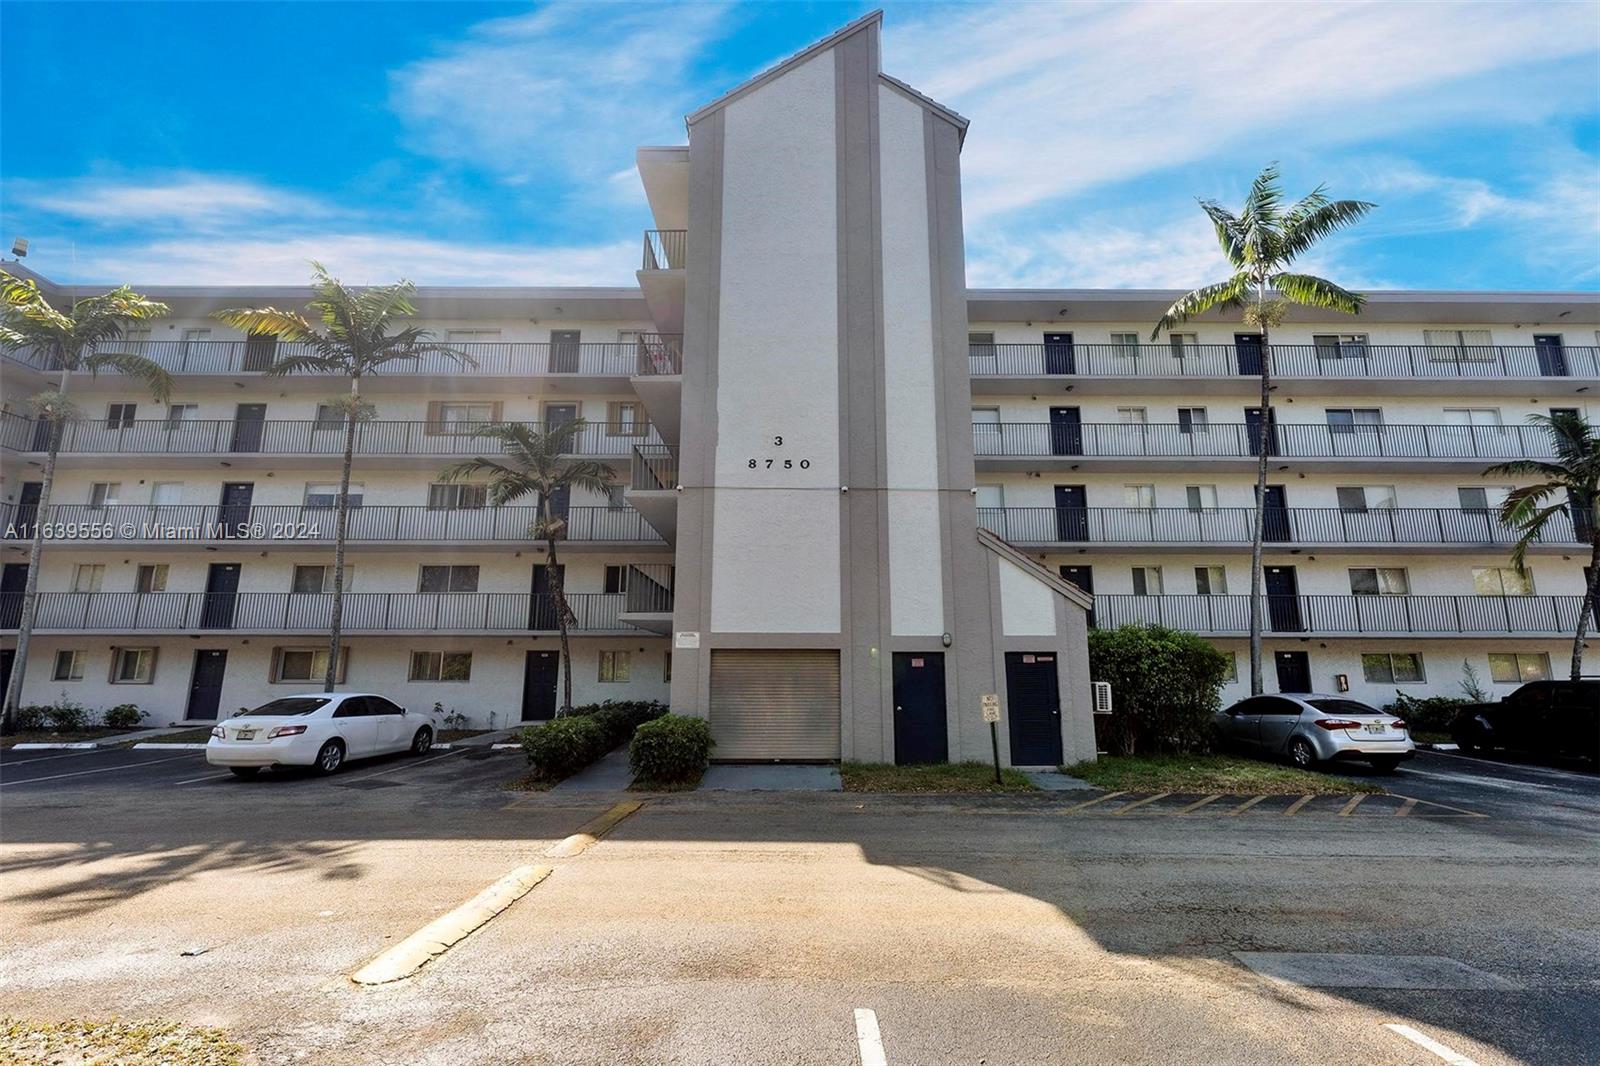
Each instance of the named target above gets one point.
<point>65,716</point>
<point>672,750</point>
<point>562,747</point>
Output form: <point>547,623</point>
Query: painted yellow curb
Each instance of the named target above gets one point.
<point>590,833</point>
<point>439,935</point>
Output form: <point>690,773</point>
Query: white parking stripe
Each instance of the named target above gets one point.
<point>102,770</point>
<point>1422,1040</point>
<point>402,766</point>
<point>868,1039</point>
<point>1483,782</point>
<point>197,780</point>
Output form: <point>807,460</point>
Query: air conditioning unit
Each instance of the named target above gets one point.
<point>1102,697</point>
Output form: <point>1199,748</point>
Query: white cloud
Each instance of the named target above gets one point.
<point>188,200</point>
<point>565,92</point>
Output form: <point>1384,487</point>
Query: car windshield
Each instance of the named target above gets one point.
<point>287,707</point>
<point>1346,707</point>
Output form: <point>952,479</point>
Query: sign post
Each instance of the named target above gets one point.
<point>991,714</point>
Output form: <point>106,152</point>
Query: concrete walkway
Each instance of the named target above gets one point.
<point>608,774</point>
<point>1055,781</point>
<point>768,778</point>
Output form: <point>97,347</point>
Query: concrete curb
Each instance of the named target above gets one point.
<point>79,745</point>
<point>590,833</point>
<point>156,745</point>
<point>504,747</point>
<point>444,932</point>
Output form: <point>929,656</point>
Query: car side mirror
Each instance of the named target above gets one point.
<point>404,711</point>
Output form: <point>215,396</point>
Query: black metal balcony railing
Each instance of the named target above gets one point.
<point>649,588</point>
<point>1288,360</point>
<point>301,437</point>
<point>665,249</point>
<point>293,612</point>
<point>1498,615</point>
<point>648,354</point>
<point>1234,525</point>
<point>655,467</point>
<point>996,440</point>
<point>299,524</point>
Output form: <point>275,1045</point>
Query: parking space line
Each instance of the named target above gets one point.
<point>197,780</point>
<point>1076,807</point>
<point>1294,808</point>
<point>403,766</point>
<point>1405,808</point>
<point>1141,803</point>
<point>102,770</point>
<point>869,1041</point>
<point>1428,1043</point>
<point>1350,808</point>
<point>1201,802</point>
<point>1245,806</point>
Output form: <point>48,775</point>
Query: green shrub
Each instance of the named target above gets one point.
<point>619,718</point>
<point>1165,687</point>
<point>671,749</point>
<point>33,717</point>
<point>123,716</point>
<point>66,716</point>
<point>1431,714</point>
<point>562,747</point>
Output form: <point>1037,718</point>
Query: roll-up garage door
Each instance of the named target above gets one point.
<point>775,705</point>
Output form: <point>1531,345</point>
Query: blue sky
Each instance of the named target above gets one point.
<point>459,143</point>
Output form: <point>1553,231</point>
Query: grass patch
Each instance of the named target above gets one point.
<point>938,777</point>
<point>1211,773</point>
<point>1430,736</point>
<point>146,1043</point>
<point>531,782</point>
<point>46,736</point>
<point>188,736</point>
<point>642,785</point>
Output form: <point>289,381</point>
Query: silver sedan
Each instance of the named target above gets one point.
<point>1310,728</point>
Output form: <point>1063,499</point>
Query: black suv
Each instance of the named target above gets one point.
<point>1558,719</point>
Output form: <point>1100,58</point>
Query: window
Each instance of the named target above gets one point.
<point>986,416</point>
<point>1516,667</point>
<point>319,578</point>
<point>1481,417</point>
<point>196,333</point>
<point>1351,419</point>
<point>152,577</point>
<point>444,497</point>
<point>616,497</point>
<point>1501,581</point>
<point>1340,345</point>
<point>991,497</point>
<point>1392,668</point>
<point>1482,500</point>
<point>328,417</point>
<point>459,417</point>
<point>441,666</point>
<point>1132,416</point>
<point>624,419</point>
<point>178,413</point>
<point>1201,497</point>
<point>69,665</point>
<point>456,337</point>
<point>666,665</point>
<point>1126,344</point>
<point>325,496</point>
<point>616,579</point>
<point>983,339</point>
<point>133,666</point>
<point>1379,581</point>
<point>306,664</point>
<point>1140,496</point>
<point>1358,499</point>
<point>88,576</point>
<point>166,493</point>
<point>1210,581</point>
<point>104,494</point>
<point>615,666</point>
<point>121,415</point>
<point>448,579</point>
<point>1182,343</point>
<point>1458,345</point>
<point>135,335</point>
<point>1147,581</point>
<point>1193,420</point>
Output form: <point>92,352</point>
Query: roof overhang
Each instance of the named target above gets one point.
<point>1125,305</point>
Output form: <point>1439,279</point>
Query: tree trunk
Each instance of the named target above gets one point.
<point>1587,606</point>
<point>1258,534</point>
<point>341,523</point>
<point>30,590</point>
<point>558,598</point>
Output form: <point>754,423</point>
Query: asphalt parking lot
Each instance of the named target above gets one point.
<point>752,928</point>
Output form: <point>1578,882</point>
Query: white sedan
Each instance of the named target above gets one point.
<point>321,730</point>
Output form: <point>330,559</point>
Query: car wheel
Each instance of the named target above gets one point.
<point>422,741</point>
<point>244,771</point>
<point>1302,754</point>
<point>330,757</point>
<point>1386,764</point>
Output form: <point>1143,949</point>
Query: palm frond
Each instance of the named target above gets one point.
<point>1312,291</point>
<point>269,321</point>
<point>1314,218</point>
<point>1228,232</point>
<point>156,379</point>
<point>1528,468</point>
<point>312,363</point>
<point>1222,294</point>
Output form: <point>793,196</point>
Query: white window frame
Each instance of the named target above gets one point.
<point>73,659</point>
<point>95,574</point>
<point>615,667</point>
<point>431,666</point>
<point>145,657</point>
<point>103,494</point>
<point>159,574</point>
<point>1394,675</point>
<point>1200,499</point>
<point>1145,574</point>
<point>1500,573</point>
<point>319,664</point>
<point>1139,497</point>
<point>1378,573</point>
<point>1216,578</point>
<point>1540,659</point>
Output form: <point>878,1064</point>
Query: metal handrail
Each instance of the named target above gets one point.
<point>655,467</point>
<point>665,249</point>
<point>1499,615</point>
<point>1235,440</point>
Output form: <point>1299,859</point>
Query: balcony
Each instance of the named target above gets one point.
<point>319,438</point>
<point>665,249</point>
<point>654,353</point>
<point>648,603</point>
<point>1179,528</point>
<point>1019,445</point>
<point>1214,367</point>
<point>288,525</point>
<point>661,276</point>
<point>277,613</point>
<point>653,487</point>
<point>1497,616</point>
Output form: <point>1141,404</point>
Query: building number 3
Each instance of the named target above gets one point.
<point>788,464</point>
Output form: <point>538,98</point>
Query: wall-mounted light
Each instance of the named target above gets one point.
<point>947,640</point>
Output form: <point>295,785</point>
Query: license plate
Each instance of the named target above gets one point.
<point>1377,727</point>
<point>250,734</point>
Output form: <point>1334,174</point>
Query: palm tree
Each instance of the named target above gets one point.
<point>1261,243</point>
<point>83,338</point>
<point>1571,485</point>
<point>348,334</point>
<point>534,467</point>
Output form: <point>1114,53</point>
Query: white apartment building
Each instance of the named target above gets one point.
<point>852,495</point>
